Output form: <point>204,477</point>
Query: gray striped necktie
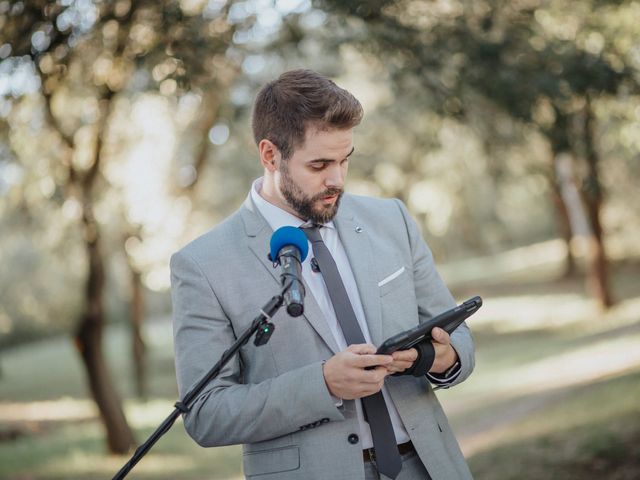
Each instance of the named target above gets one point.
<point>375,409</point>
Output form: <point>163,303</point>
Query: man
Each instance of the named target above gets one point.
<point>316,402</point>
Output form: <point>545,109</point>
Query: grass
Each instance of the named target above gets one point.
<point>556,389</point>
<point>557,413</point>
<point>60,436</point>
<point>77,451</point>
<point>554,395</point>
<point>608,450</point>
<point>49,369</point>
<point>587,432</point>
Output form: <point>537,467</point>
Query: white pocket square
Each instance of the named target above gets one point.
<point>394,275</point>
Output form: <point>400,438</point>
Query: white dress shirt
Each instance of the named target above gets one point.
<point>276,218</point>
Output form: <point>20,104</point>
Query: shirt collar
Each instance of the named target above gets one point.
<point>275,216</point>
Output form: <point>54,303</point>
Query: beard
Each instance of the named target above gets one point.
<point>304,205</point>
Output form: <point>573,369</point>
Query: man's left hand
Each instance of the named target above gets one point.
<point>446,355</point>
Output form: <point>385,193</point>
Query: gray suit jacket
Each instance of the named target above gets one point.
<point>273,398</point>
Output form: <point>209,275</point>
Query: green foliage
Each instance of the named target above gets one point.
<point>546,66</point>
<point>467,100</point>
<point>519,55</point>
<point>73,73</point>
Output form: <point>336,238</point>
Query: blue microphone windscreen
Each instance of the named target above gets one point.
<point>289,236</point>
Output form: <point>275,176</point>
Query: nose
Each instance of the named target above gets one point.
<point>335,177</point>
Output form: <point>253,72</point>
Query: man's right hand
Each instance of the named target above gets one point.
<point>345,373</point>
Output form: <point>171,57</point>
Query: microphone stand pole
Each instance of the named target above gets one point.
<point>264,328</point>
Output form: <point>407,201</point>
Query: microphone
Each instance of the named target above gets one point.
<point>289,248</point>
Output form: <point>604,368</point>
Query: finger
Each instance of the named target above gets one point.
<point>440,336</point>
<point>371,360</point>
<point>373,376</point>
<point>367,378</point>
<point>398,366</point>
<point>405,355</point>
<point>402,365</point>
<point>362,348</point>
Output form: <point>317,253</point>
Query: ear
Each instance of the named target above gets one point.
<point>269,155</point>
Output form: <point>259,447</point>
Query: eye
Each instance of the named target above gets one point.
<point>318,166</point>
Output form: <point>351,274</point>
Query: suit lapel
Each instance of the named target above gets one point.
<point>259,235</point>
<point>355,239</point>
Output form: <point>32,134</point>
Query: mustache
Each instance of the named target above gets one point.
<point>329,192</point>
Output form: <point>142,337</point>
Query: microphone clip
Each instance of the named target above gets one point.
<point>275,263</point>
<point>265,330</point>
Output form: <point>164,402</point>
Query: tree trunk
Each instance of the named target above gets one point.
<point>597,278</point>
<point>570,216</point>
<point>88,337</point>
<point>563,220</point>
<point>209,114</point>
<point>89,342</point>
<point>137,342</point>
<point>89,333</point>
<point>208,118</point>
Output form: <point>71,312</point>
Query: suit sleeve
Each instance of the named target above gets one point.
<point>229,411</point>
<point>434,297</point>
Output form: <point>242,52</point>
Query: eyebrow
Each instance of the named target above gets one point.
<point>329,160</point>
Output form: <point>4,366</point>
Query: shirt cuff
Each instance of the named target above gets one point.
<point>445,379</point>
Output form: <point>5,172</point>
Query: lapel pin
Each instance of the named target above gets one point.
<point>315,267</point>
<point>359,229</point>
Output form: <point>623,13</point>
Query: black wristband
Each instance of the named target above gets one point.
<point>426,356</point>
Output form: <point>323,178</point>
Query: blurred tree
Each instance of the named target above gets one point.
<point>87,55</point>
<point>542,62</point>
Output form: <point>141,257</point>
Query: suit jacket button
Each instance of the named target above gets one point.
<point>353,439</point>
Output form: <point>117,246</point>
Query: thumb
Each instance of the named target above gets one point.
<point>362,348</point>
<point>440,336</point>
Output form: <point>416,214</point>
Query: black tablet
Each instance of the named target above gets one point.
<point>448,321</point>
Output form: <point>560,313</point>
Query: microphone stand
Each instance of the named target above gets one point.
<point>264,329</point>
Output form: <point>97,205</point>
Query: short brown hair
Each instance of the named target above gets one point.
<point>287,106</point>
